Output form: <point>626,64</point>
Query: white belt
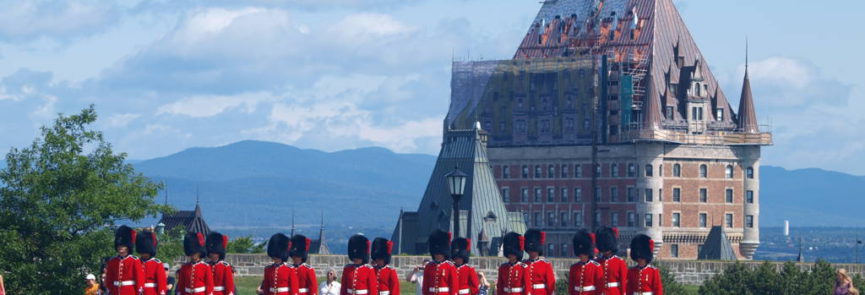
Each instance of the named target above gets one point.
<point>219,288</point>
<point>642,293</point>
<point>584,288</point>
<point>124,283</point>
<point>612,285</point>
<point>383,292</point>
<point>358,292</point>
<point>539,286</point>
<point>196,290</point>
<point>439,289</point>
<point>463,291</point>
<point>280,290</point>
<point>303,290</point>
<point>149,285</point>
<point>513,290</point>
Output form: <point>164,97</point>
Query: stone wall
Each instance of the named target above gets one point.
<point>686,272</point>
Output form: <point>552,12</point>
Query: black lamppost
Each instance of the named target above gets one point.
<point>456,181</point>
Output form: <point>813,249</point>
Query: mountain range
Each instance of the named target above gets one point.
<point>253,184</point>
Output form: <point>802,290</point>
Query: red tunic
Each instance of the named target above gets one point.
<point>358,279</point>
<point>584,278</point>
<point>541,276</point>
<point>195,278</point>
<point>440,278</point>
<point>645,281</point>
<point>154,277</point>
<point>124,275</point>
<point>223,278</point>
<point>280,279</point>
<point>468,280</point>
<point>515,277</point>
<point>615,272</point>
<point>307,283</point>
<point>388,281</point>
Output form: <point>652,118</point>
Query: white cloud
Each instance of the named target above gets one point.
<point>121,120</point>
<point>54,19</point>
<point>209,106</point>
<point>782,70</point>
<point>368,27</point>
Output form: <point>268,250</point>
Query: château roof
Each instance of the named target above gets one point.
<point>190,221</point>
<point>747,117</point>
<point>717,246</point>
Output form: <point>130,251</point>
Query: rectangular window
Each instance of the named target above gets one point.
<point>649,197</point>
<point>614,219</point>
<point>565,168</point>
<point>749,197</point>
<point>728,220</point>
<point>551,219</point>
<point>676,221</point>
<point>648,220</point>
<point>524,195</point>
<point>597,195</point>
<point>551,195</point>
<point>631,193</point>
<point>614,170</point>
<point>538,221</point>
<point>614,194</point>
<point>578,219</point>
<point>578,195</point>
<point>649,170</point>
<point>749,221</point>
<point>564,220</point>
<point>538,172</point>
<point>660,219</point>
<point>677,195</point>
<point>525,171</point>
<point>632,170</point>
<point>720,115</point>
<point>538,196</point>
<point>551,171</point>
<point>597,221</point>
<point>632,219</point>
<point>578,171</point>
<point>506,195</point>
<point>565,249</point>
<point>564,195</point>
<point>729,197</point>
<point>674,250</point>
<point>506,172</point>
<point>704,195</point>
<point>703,219</point>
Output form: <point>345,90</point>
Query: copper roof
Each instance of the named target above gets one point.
<point>747,117</point>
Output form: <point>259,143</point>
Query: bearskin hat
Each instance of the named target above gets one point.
<point>461,248</point>
<point>125,236</point>
<point>194,243</point>
<point>358,248</point>
<point>584,243</point>
<point>535,241</point>
<point>382,249</point>
<point>642,246</point>
<point>300,247</point>
<point>278,246</point>
<point>146,242</point>
<point>216,243</point>
<point>608,239</point>
<point>440,243</point>
<point>513,244</point>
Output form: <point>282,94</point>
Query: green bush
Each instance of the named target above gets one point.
<point>766,279</point>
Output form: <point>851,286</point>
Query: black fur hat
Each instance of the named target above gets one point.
<point>216,243</point>
<point>358,248</point>
<point>608,239</point>
<point>535,240</point>
<point>461,248</point>
<point>194,243</point>
<point>125,236</point>
<point>146,242</point>
<point>278,246</point>
<point>382,249</point>
<point>300,247</point>
<point>513,244</point>
<point>642,246</point>
<point>440,243</point>
<point>584,243</point>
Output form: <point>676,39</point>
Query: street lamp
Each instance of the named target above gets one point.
<point>160,228</point>
<point>456,181</point>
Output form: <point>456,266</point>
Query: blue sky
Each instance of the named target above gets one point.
<point>337,74</point>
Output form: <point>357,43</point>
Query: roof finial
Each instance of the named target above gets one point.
<point>746,55</point>
<point>197,195</point>
<point>292,222</point>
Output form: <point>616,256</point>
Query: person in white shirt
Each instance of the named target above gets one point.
<point>416,277</point>
<point>330,286</point>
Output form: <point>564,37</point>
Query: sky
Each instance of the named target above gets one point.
<point>168,75</point>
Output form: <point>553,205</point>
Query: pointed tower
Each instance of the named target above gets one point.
<point>747,115</point>
<point>320,246</point>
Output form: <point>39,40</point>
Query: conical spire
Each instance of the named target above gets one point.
<point>652,116</point>
<point>747,115</point>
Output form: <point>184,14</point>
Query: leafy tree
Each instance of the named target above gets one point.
<point>60,198</point>
<point>733,281</point>
<point>244,245</point>
<point>671,286</point>
<point>790,279</point>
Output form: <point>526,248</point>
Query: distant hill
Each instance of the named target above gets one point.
<point>253,184</point>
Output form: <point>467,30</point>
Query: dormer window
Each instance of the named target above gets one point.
<point>719,114</point>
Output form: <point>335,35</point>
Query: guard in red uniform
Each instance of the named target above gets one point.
<point>440,275</point>
<point>223,273</point>
<point>541,274</point>
<point>644,279</point>
<point>124,274</point>
<point>467,276</point>
<point>358,278</point>
<point>306,280</point>
<point>194,277</point>
<point>280,278</point>
<point>388,281</point>
<point>586,274</point>
<point>513,275</point>
<point>154,273</point>
<point>614,268</point>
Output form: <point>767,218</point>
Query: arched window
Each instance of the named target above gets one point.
<point>704,171</point>
<point>729,171</point>
<point>750,172</point>
<point>649,170</point>
<point>677,170</point>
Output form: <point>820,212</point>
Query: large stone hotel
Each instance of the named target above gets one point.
<point>609,115</point>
